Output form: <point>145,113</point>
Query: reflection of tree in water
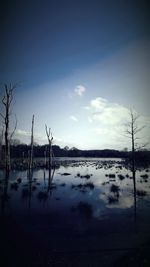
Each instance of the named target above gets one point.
<point>43,195</point>
<point>114,194</point>
<point>32,184</point>
<point>4,196</point>
<point>27,192</point>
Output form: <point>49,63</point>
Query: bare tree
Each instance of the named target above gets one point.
<point>50,151</point>
<point>7,102</point>
<point>1,142</point>
<point>132,131</point>
<point>31,151</point>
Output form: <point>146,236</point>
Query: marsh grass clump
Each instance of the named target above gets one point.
<point>87,176</point>
<point>107,182</point>
<point>112,175</point>
<point>89,185</point>
<point>112,199</point>
<point>65,173</point>
<point>121,177</point>
<point>141,193</point>
<point>144,176</point>
<point>82,187</point>
<point>114,188</point>
<point>42,195</point>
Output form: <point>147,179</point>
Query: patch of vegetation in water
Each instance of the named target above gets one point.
<point>144,176</point>
<point>121,177</point>
<point>89,185</point>
<point>111,175</point>
<point>141,193</point>
<point>87,176</point>
<point>65,173</point>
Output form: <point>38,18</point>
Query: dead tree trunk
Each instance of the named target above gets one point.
<point>50,155</point>
<point>6,101</point>
<point>31,150</point>
<point>133,161</point>
<point>1,143</point>
<point>132,129</point>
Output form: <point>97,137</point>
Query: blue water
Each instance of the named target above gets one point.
<point>80,205</point>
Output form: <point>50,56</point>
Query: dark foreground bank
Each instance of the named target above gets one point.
<point>20,247</point>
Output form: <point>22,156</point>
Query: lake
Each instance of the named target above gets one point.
<point>89,205</point>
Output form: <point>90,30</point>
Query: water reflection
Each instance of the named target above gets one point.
<point>5,196</point>
<point>93,190</point>
<point>124,202</point>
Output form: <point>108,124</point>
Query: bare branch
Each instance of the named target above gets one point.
<point>128,132</point>
<point>14,128</point>
<point>2,116</point>
<point>6,101</point>
<point>47,132</point>
<point>3,100</point>
<point>142,146</point>
<point>139,129</point>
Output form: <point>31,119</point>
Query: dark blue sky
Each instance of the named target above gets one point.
<point>72,60</point>
<point>44,40</point>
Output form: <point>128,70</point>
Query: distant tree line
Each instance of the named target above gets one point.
<point>22,150</point>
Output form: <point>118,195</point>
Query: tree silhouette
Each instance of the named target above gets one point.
<point>7,102</point>
<point>132,130</point>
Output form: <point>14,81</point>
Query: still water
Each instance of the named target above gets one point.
<point>88,199</point>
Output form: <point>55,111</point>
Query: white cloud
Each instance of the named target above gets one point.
<point>98,103</point>
<point>20,132</point>
<point>79,90</point>
<point>90,120</point>
<point>73,118</point>
<point>86,108</point>
<point>107,113</point>
<point>108,122</point>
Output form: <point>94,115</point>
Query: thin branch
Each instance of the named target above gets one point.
<point>139,129</point>
<point>2,116</point>
<point>3,100</point>
<point>14,128</point>
<point>128,132</point>
<point>142,146</point>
